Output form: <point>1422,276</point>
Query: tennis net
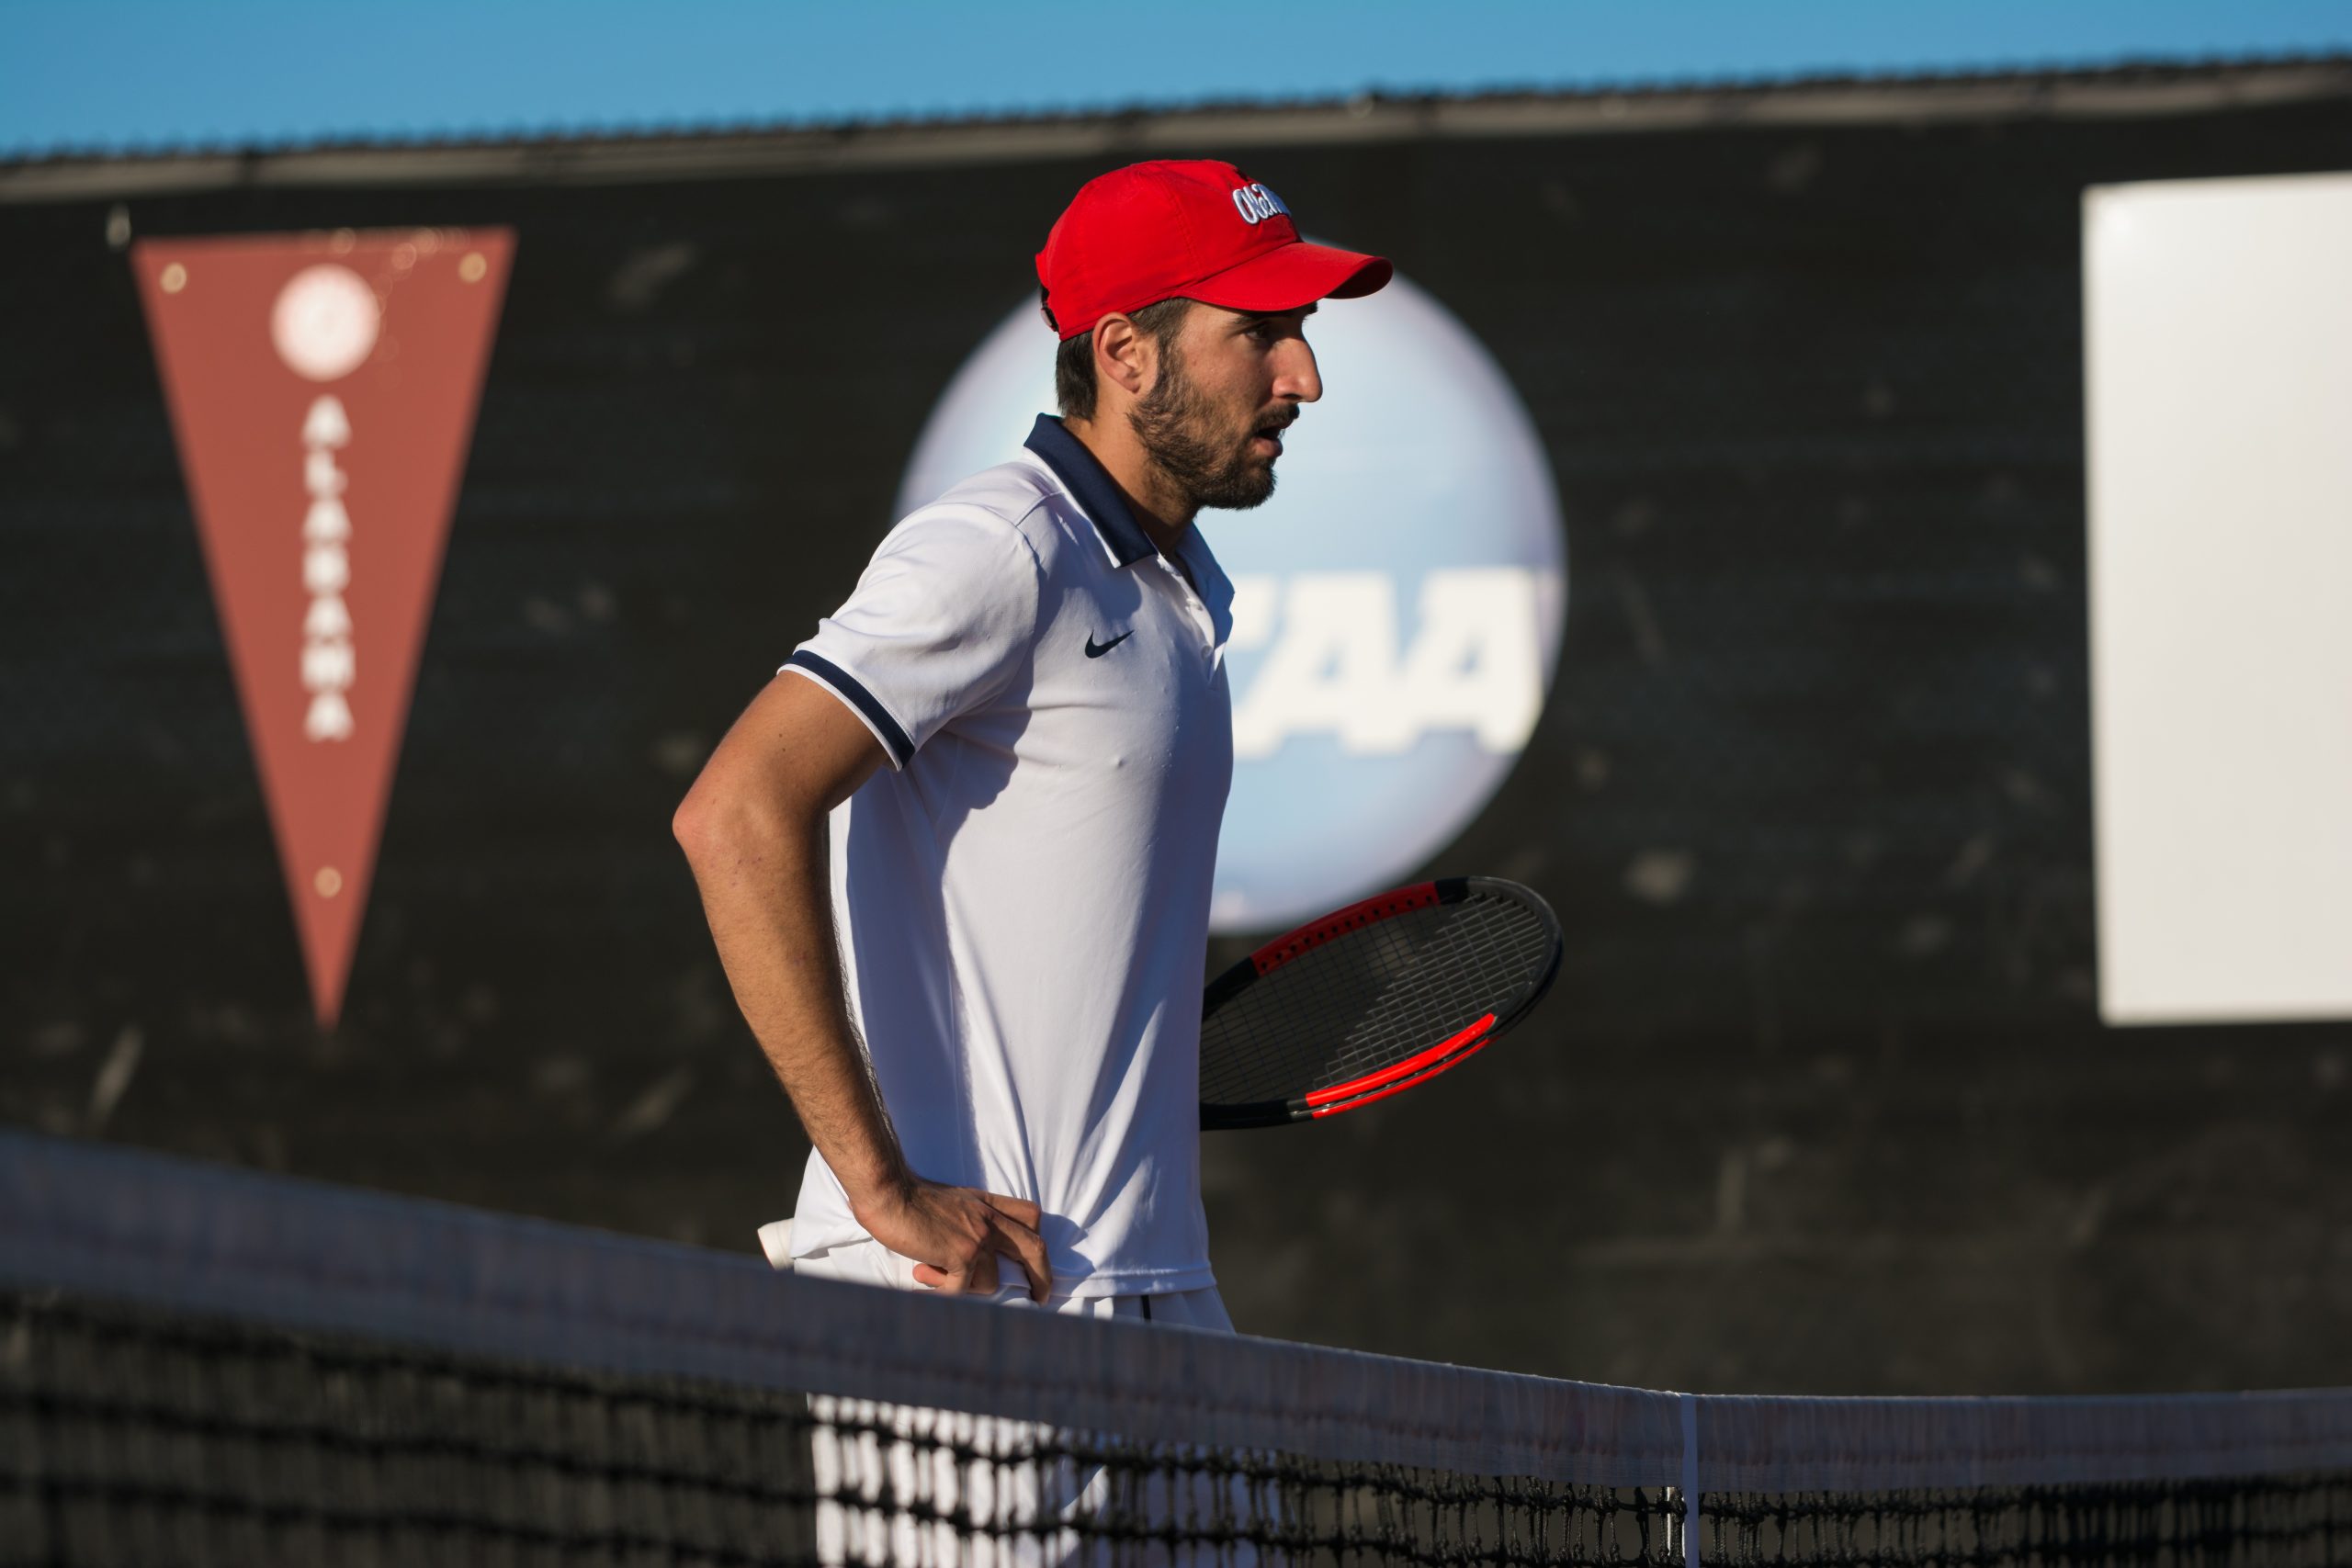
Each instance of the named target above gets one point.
<point>200,1365</point>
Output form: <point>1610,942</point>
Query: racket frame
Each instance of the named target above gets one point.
<point>1397,1077</point>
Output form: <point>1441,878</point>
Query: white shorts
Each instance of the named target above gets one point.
<point>872,1487</point>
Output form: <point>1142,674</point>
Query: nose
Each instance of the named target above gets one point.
<point>1295,376</point>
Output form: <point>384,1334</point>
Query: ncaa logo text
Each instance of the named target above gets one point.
<point>1334,664</point>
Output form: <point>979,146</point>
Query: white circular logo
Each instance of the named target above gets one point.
<point>1397,605</point>
<point>326,321</point>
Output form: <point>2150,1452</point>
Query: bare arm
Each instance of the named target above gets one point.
<point>752,828</point>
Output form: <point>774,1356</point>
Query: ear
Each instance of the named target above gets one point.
<point>1123,356</point>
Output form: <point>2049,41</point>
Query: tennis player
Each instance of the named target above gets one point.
<point>1012,744</point>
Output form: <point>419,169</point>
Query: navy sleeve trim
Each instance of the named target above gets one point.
<point>894,739</point>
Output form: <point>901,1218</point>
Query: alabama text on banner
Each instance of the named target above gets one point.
<point>323,389</point>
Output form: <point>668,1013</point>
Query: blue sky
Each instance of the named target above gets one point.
<point>120,73</point>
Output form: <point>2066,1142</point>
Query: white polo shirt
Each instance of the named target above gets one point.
<point>1023,896</point>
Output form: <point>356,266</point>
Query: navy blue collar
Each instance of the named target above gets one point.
<point>1096,493</point>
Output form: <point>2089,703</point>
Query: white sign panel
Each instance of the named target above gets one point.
<point>2219,360</point>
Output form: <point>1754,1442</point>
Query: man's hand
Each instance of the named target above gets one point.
<point>955,1234</point>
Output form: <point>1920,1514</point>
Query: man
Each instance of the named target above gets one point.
<point>1022,711</point>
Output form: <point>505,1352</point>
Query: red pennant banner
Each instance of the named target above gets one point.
<point>322,388</point>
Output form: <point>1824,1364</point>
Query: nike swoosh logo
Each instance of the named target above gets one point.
<point>1097,650</point>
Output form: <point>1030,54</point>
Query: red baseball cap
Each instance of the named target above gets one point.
<point>1195,229</point>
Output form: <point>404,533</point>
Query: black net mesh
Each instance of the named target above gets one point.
<point>2270,1519</point>
<point>131,1437</point>
<point>1375,997</point>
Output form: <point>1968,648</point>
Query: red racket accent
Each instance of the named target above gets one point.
<point>1401,1088</point>
<point>1283,949</point>
<point>1404,1069</point>
<point>1373,1000</point>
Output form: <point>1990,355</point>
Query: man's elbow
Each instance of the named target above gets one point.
<point>690,824</point>
<point>708,820</point>
<point>716,822</point>
<point>707,817</point>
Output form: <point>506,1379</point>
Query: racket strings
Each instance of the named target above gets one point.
<point>1375,997</point>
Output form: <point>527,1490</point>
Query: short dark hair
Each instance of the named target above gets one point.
<point>1074,362</point>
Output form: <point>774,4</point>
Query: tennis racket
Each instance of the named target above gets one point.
<point>1373,1000</point>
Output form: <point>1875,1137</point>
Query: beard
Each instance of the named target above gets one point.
<point>1179,429</point>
